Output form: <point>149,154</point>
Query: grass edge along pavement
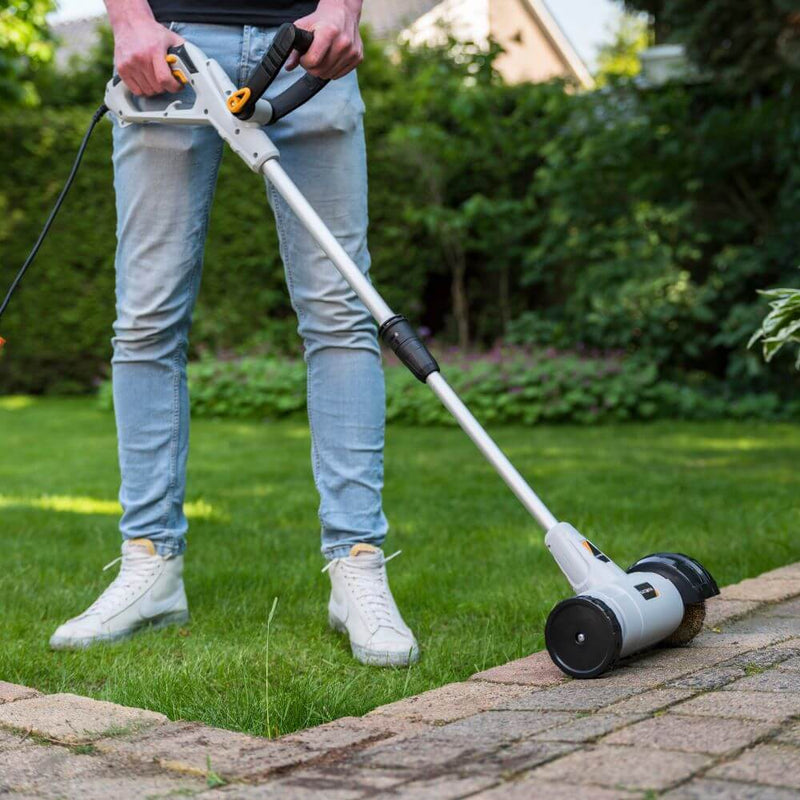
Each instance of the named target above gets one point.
<point>475,580</point>
<point>720,717</point>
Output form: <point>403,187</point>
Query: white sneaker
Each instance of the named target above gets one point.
<point>147,592</point>
<point>362,605</point>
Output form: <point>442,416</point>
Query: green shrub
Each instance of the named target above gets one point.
<point>58,326</point>
<point>507,385</point>
<point>627,219</point>
<point>782,325</point>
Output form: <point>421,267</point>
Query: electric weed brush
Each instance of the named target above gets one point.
<point>660,599</point>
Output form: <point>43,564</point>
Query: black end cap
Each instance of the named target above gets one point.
<point>398,333</point>
<point>692,580</point>
<point>583,637</point>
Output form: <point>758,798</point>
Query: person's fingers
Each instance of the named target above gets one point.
<point>323,38</point>
<point>136,70</point>
<point>131,83</point>
<point>340,51</point>
<point>175,39</point>
<point>135,76</point>
<point>344,70</point>
<point>292,61</point>
<point>345,67</point>
<point>147,81</point>
<point>163,77</point>
<point>349,63</point>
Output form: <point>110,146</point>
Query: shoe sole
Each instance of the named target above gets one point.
<point>376,658</point>
<point>173,618</point>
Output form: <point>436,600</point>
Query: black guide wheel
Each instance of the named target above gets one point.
<point>583,637</point>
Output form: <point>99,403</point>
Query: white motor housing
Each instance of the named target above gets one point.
<point>614,613</point>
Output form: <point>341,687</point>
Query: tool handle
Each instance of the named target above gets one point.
<point>301,91</point>
<point>242,103</point>
<point>177,55</point>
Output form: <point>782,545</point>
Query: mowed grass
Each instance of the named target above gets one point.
<point>474,581</point>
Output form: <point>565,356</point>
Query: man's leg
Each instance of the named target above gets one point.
<point>164,178</point>
<point>322,149</point>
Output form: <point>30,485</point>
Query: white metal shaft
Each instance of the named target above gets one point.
<point>381,312</point>
<point>375,304</point>
<point>507,471</point>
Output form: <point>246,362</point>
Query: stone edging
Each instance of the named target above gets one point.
<point>146,747</point>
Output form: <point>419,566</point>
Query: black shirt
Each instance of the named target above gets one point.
<point>242,12</point>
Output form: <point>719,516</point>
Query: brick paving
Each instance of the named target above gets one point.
<point>716,720</point>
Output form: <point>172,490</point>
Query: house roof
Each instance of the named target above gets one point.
<point>471,20</point>
<point>559,40</point>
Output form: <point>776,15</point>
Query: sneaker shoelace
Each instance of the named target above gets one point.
<point>136,570</point>
<point>371,588</point>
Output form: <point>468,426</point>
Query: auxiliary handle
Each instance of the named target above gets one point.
<point>242,103</point>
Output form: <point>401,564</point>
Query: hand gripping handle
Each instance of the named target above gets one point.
<point>242,102</point>
<point>175,55</point>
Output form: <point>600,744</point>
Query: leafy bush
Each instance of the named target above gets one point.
<point>782,325</point>
<point>663,213</point>
<point>23,44</point>
<point>506,385</point>
<point>59,324</point>
<point>626,219</point>
<point>750,46</point>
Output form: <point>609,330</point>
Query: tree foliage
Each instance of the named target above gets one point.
<point>619,58</point>
<point>24,44</point>
<point>84,80</point>
<point>748,45</point>
<point>626,219</point>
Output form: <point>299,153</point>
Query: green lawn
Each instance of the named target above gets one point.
<point>474,581</point>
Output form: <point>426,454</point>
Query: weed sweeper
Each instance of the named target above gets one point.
<point>660,599</point>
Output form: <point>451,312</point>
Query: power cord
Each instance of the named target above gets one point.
<point>96,117</point>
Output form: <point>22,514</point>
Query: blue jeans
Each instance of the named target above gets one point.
<point>164,178</point>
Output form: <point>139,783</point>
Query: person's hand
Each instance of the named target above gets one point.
<point>140,49</point>
<point>337,47</point>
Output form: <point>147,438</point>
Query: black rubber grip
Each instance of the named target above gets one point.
<point>398,333</point>
<point>298,93</point>
<point>288,38</point>
<point>302,40</point>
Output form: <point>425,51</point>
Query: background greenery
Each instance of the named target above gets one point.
<point>576,257</point>
<point>629,219</point>
<point>24,46</point>
<point>724,493</point>
<point>505,385</point>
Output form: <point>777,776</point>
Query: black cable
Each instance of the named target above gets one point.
<point>98,115</point>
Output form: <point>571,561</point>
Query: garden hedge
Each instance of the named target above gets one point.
<point>630,218</point>
<point>506,385</point>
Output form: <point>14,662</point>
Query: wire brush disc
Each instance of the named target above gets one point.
<point>694,615</point>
